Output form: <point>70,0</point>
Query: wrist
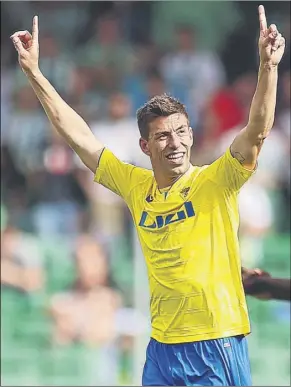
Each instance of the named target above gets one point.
<point>32,73</point>
<point>269,66</point>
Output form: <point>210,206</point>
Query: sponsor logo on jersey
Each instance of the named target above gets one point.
<point>160,221</point>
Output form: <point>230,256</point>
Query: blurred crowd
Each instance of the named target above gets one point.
<point>66,251</point>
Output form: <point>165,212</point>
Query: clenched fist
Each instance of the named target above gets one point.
<point>271,42</point>
<point>27,47</point>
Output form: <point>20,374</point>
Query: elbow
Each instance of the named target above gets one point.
<point>257,132</point>
<point>260,127</point>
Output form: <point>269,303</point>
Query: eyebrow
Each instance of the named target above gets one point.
<point>162,131</point>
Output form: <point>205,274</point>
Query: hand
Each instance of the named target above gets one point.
<point>249,283</point>
<point>27,47</point>
<point>271,42</point>
<point>249,274</point>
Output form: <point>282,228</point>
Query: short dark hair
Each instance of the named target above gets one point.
<point>159,106</point>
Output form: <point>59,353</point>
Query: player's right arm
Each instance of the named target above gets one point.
<point>67,122</point>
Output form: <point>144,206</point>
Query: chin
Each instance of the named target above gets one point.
<point>178,169</point>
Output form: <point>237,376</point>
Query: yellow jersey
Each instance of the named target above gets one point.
<point>189,238</point>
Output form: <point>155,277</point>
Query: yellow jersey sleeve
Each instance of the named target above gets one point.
<point>228,172</point>
<point>116,175</point>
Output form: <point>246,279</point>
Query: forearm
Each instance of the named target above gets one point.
<point>247,144</point>
<point>267,287</point>
<point>279,288</point>
<point>65,120</point>
<point>262,111</point>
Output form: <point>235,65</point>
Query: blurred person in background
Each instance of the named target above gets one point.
<point>284,104</point>
<point>23,280</point>
<point>284,125</point>
<point>13,189</point>
<point>87,313</point>
<point>153,84</point>
<point>109,56</point>
<point>226,109</point>
<point>22,261</point>
<point>168,144</point>
<point>56,196</point>
<point>25,144</point>
<point>84,96</point>
<point>187,67</point>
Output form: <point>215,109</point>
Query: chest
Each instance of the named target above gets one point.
<point>193,215</point>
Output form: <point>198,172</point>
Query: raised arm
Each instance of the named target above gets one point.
<point>247,145</point>
<point>67,122</point>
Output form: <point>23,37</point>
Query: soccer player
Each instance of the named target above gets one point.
<point>186,218</point>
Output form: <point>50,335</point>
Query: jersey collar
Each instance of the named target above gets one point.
<point>174,188</point>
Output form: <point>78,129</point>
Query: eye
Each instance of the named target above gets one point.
<point>181,131</point>
<point>162,136</point>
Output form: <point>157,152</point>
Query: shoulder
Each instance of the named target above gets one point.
<point>142,178</point>
<point>198,171</point>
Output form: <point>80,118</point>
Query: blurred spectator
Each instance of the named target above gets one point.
<point>106,52</point>
<point>225,110</point>
<point>155,85</point>
<point>284,110</point>
<point>54,192</point>
<point>284,124</point>
<point>228,107</point>
<point>27,129</point>
<point>151,84</point>
<point>87,312</point>
<point>6,92</point>
<point>21,261</point>
<point>13,190</point>
<point>200,72</point>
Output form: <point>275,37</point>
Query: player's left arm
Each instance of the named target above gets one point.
<point>247,145</point>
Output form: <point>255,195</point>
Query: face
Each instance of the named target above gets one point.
<point>119,106</point>
<point>185,40</point>
<point>169,145</point>
<point>91,263</point>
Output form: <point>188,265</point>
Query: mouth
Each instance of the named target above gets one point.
<point>175,157</point>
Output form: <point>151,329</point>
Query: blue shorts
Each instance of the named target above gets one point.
<point>219,362</point>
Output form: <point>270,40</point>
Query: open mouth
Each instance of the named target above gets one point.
<point>175,157</point>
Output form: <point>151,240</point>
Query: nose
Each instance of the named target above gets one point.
<point>174,141</point>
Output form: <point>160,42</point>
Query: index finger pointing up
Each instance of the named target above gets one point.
<point>35,29</point>
<point>262,18</point>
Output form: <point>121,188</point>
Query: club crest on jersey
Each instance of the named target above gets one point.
<point>163,220</point>
<point>185,192</point>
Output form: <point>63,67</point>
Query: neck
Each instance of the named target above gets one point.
<point>164,181</point>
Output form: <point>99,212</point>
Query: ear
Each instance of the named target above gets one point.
<point>144,146</point>
<point>191,136</point>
